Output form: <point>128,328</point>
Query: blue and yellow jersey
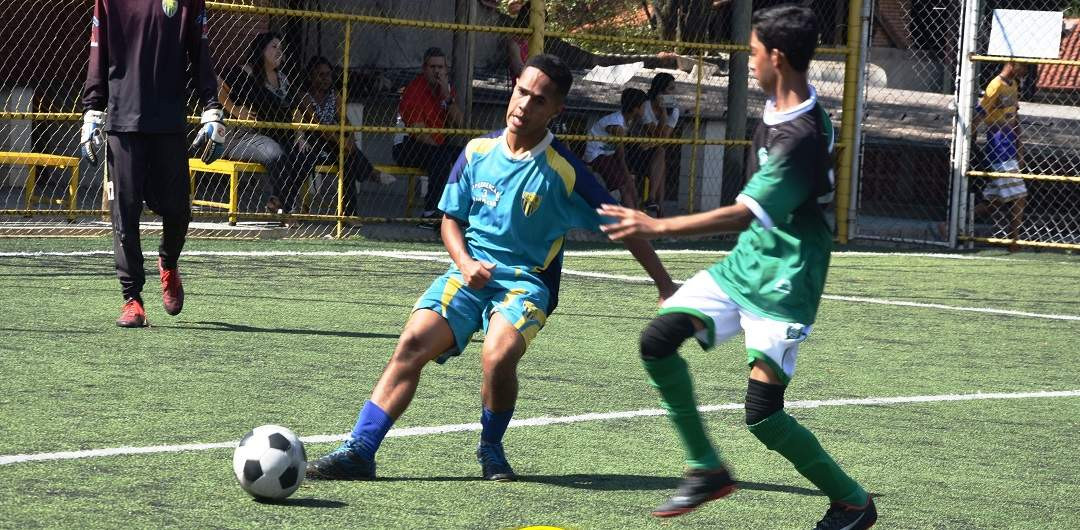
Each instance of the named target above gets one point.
<point>518,209</point>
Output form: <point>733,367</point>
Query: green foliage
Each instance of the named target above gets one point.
<point>604,17</point>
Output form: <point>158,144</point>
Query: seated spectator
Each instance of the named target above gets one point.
<point>658,120</point>
<point>609,159</point>
<point>258,90</point>
<point>429,101</point>
<point>324,104</point>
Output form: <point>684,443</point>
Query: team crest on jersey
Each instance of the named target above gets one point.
<point>762,156</point>
<point>794,331</point>
<point>530,310</point>
<point>530,202</point>
<point>170,7</point>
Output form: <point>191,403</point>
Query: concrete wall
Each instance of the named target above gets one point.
<point>393,47</point>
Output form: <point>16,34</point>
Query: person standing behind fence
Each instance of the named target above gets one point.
<point>609,159</point>
<point>259,90</point>
<point>428,101</point>
<point>999,109</point>
<point>137,77</point>
<point>324,102</point>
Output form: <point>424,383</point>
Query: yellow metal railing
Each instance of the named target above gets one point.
<point>537,32</point>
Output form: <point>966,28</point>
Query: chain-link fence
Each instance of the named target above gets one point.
<point>957,145</point>
<point>905,174</point>
<point>1022,186</point>
<point>345,114</point>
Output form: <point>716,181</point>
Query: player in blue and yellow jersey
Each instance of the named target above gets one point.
<point>508,204</point>
<point>769,287</point>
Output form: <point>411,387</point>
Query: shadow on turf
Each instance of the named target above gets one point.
<point>614,482</point>
<point>305,503</point>
<point>645,483</point>
<point>241,328</point>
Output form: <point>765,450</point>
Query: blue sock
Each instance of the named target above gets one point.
<point>371,427</point>
<point>494,425</point>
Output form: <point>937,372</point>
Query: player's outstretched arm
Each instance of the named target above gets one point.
<point>645,255</point>
<point>476,273</point>
<point>634,223</point>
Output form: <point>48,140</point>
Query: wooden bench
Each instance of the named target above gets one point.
<point>234,168</point>
<point>38,160</point>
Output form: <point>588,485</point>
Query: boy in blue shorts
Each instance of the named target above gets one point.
<point>508,204</point>
<point>769,287</point>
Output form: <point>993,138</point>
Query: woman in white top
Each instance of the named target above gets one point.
<point>658,120</point>
<point>609,159</point>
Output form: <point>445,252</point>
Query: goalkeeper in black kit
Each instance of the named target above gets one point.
<point>143,53</point>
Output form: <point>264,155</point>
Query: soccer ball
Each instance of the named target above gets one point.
<point>269,462</point>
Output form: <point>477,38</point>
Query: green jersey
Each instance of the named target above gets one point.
<point>777,269</point>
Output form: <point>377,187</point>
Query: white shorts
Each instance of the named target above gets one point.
<point>770,341</point>
<point>1005,188</point>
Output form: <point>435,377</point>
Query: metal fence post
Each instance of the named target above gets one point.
<point>738,79</point>
<point>343,122</point>
<point>537,20</point>
<point>847,128</point>
<point>960,153</point>
<point>860,111</point>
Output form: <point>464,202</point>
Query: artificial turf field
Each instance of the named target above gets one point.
<point>296,333</point>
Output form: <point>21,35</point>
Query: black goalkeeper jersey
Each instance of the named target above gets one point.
<point>142,55</point>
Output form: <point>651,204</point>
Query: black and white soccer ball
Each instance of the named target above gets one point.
<point>269,462</point>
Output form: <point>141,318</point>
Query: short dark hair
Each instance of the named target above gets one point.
<point>554,68</point>
<point>433,51</point>
<point>659,84</point>
<point>317,61</point>
<point>632,98</point>
<point>791,29</point>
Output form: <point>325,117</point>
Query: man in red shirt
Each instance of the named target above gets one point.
<point>428,101</point>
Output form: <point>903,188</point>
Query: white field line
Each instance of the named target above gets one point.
<point>572,253</point>
<point>438,256</point>
<point>857,299</point>
<point>541,421</point>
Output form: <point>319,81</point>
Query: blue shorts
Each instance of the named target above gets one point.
<point>520,297</point>
<point>1000,145</point>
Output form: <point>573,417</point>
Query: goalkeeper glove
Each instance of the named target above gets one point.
<point>91,138</point>
<point>209,144</point>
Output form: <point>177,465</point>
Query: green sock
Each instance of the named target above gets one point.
<point>781,433</point>
<point>672,378</point>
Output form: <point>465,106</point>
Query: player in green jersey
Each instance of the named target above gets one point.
<point>769,286</point>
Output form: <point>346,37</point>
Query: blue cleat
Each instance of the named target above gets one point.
<point>493,462</point>
<point>342,464</point>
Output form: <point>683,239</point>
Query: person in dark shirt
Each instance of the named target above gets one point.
<point>258,90</point>
<point>141,54</point>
